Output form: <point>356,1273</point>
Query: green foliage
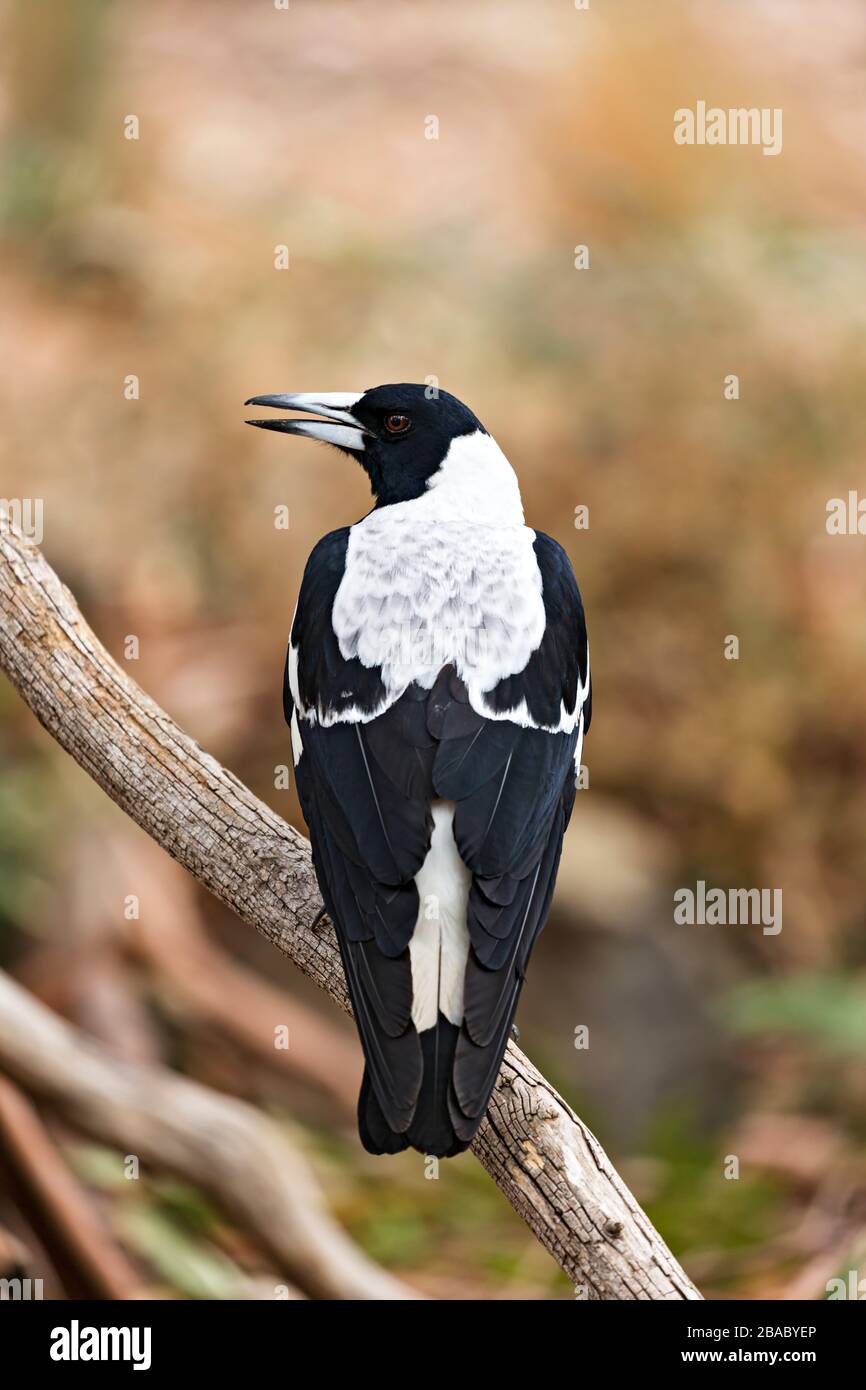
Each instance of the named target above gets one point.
<point>828,1009</point>
<point>436,1225</point>
<point>194,1268</point>
<point>167,1223</point>
<point>696,1206</point>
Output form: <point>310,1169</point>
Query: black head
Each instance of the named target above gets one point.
<point>399,434</point>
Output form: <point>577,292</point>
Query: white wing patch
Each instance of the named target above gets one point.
<point>297,741</point>
<point>294,653</point>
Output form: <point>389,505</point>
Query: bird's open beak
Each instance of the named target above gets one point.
<point>346,432</point>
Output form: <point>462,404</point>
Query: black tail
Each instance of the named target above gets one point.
<point>430,1131</point>
<point>376,1134</point>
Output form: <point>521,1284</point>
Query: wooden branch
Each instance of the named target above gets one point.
<point>71,1216</point>
<point>545,1160</point>
<point>221,1145</point>
<point>170,937</point>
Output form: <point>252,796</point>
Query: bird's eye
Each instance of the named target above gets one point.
<point>397,424</point>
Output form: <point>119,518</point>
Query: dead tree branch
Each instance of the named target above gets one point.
<point>545,1160</point>
<point>71,1215</point>
<point>171,939</point>
<point>221,1145</point>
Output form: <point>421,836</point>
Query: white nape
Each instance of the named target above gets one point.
<point>450,577</point>
<point>475,482</point>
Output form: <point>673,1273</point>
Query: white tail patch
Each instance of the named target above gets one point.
<point>440,942</point>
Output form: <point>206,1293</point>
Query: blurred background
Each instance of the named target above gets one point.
<point>454,258</point>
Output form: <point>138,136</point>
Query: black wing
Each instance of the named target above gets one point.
<point>366,788</point>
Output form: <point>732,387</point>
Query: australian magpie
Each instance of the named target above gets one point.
<point>437,689</point>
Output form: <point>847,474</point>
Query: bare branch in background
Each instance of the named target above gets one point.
<point>66,1207</point>
<point>170,937</point>
<point>545,1160</point>
<point>219,1145</point>
<point>16,1259</point>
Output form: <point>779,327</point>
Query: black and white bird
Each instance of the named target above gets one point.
<point>437,688</point>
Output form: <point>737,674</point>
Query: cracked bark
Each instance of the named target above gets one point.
<point>550,1167</point>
